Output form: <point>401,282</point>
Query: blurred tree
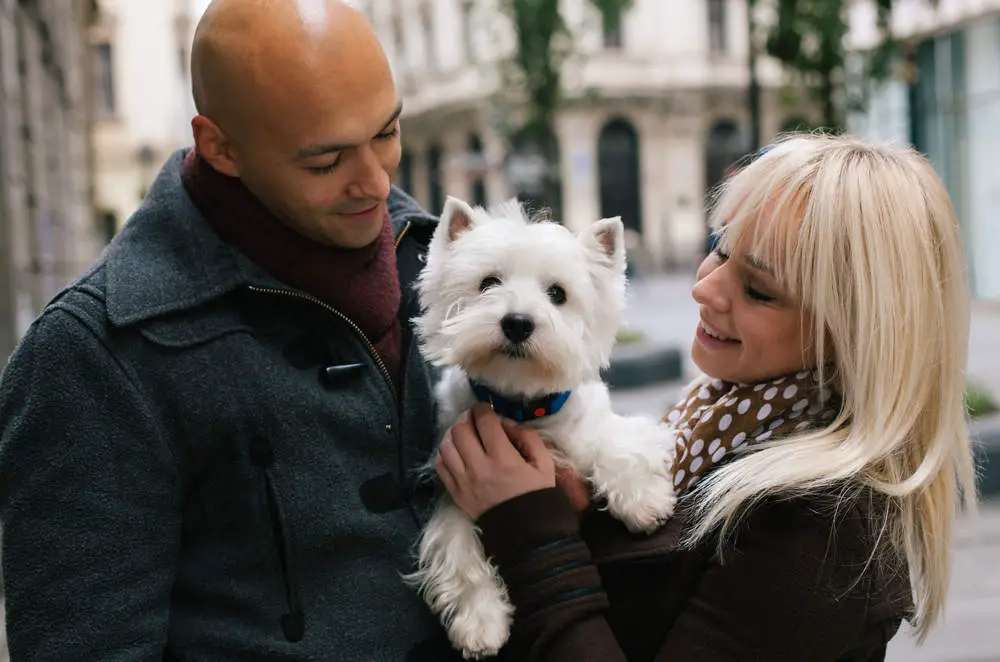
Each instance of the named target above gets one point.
<point>808,37</point>
<point>544,44</point>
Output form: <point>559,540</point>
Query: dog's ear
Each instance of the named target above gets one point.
<point>458,217</point>
<point>607,236</point>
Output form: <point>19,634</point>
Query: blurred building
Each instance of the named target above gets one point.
<point>46,225</point>
<point>945,100</point>
<point>655,112</point>
<point>140,50</point>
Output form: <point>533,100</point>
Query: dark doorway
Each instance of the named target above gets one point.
<point>618,170</point>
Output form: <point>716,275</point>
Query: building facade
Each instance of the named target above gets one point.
<point>655,110</point>
<point>47,233</point>
<point>945,100</point>
<point>142,97</point>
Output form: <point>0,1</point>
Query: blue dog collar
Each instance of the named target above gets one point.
<point>521,411</point>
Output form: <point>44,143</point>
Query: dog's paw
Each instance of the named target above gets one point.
<point>480,629</point>
<point>643,502</point>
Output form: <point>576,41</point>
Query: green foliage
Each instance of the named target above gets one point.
<point>808,37</point>
<point>544,44</point>
<point>979,402</point>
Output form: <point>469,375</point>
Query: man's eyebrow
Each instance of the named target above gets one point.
<point>331,148</point>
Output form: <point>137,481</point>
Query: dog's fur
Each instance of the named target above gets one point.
<point>626,459</point>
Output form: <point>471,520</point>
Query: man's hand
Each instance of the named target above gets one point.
<point>485,460</point>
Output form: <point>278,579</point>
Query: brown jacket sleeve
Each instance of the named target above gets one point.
<point>787,590</point>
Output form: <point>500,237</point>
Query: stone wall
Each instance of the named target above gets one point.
<point>47,229</point>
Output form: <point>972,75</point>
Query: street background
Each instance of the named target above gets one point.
<point>656,101</point>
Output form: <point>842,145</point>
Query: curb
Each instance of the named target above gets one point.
<point>985,435</point>
<point>642,364</point>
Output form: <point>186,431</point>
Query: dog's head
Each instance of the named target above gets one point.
<point>524,306</point>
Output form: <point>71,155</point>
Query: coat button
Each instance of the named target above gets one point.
<point>388,428</point>
<point>343,374</point>
<point>381,494</point>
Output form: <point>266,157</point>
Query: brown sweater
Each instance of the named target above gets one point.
<point>788,590</point>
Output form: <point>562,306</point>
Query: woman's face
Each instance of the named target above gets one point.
<point>750,329</point>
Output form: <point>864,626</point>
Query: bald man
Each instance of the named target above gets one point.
<point>206,442</point>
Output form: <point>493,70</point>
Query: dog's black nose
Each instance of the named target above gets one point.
<point>517,327</point>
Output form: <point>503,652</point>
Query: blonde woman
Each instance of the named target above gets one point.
<point>823,454</point>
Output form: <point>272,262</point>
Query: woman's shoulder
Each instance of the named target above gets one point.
<point>840,541</point>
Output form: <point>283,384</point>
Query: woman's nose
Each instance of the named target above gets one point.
<point>712,289</point>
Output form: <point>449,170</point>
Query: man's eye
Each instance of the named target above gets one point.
<point>321,170</point>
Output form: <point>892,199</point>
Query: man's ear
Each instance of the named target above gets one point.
<point>214,146</point>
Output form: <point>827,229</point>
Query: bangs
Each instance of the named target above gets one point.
<point>763,212</point>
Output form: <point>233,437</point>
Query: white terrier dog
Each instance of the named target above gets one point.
<point>523,315</point>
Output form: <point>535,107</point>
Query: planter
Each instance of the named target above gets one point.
<point>634,365</point>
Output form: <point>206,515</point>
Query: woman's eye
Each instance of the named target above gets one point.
<point>758,295</point>
<point>488,282</point>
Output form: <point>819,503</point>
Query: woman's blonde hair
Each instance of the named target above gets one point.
<point>866,237</point>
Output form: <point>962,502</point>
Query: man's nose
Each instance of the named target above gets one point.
<point>370,179</point>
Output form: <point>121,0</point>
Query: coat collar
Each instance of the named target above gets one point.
<point>167,258</point>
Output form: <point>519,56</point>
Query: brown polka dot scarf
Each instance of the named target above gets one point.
<point>716,419</point>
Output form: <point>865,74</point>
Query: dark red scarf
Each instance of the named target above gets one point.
<point>360,283</point>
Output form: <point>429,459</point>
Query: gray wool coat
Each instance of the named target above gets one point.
<point>200,463</point>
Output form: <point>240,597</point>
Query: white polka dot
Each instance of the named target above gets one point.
<point>764,412</point>
<point>802,375</point>
<point>744,406</point>
<point>674,415</point>
<point>790,391</point>
<point>714,445</point>
<point>694,480</point>
<point>686,433</point>
<point>795,414</point>
<point>770,393</point>
<point>716,383</point>
<point>814,409</point>
<point>697,447</point>
<point>704,394</point>
<point>764,436</point>
<point>825,395</point>
<point>776,423</point>
<point>803,425</point>
<point>725,422</point>
<point>759,387</point>
<point>679,477</point>
<point>778,381</point>
<point>707,417</point>
<point>800,405</point>
<point>696,463</point>
<point>718,455</point>
<point>739,439</point>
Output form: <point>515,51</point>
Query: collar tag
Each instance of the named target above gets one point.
<point>520,410</point>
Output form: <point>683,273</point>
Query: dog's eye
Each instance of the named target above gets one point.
<point>557,295</point>
<point>488,282</point>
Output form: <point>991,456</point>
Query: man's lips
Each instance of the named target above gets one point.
<point>363,212</point>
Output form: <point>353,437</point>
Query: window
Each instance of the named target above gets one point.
<point>104,87</point>
<point>468,33</point>
<point>717,42</point>
<point>435,183</point>
<point>399,38</point>
<point>107,225</point>
<point>427,25</point>
<point>612,33</point>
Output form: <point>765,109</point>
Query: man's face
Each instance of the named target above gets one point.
<point>323,162</point>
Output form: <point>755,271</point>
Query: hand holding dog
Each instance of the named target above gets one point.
<point>485,460</point>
